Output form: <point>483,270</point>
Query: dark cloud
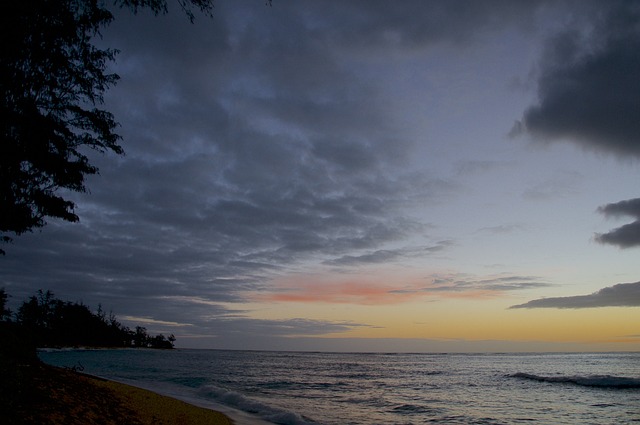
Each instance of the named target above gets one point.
<point>620,295</point>
<point>588,89</point>
<point>625,236</point>
<point>630,207</point>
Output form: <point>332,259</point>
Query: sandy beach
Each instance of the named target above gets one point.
<point>41,394</point>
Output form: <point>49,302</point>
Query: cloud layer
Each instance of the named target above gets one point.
<point>263,144</point>
<point>588,87</point>
<point>620,295</point>
<point>376,289</point>
<point>253,147</point>
<point>626,236</point>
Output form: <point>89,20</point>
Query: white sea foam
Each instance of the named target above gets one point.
<point>239,416</point>
<point>239,401</point>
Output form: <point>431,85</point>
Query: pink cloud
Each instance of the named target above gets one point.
<point>350,292</point>
<point>374,289</point>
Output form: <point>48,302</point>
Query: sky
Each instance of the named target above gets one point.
<point>424,176</point>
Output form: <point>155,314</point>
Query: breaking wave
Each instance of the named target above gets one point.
<point>239,401</point>
<point>600,381</point>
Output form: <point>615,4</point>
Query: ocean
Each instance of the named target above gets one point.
<point>299,388</point>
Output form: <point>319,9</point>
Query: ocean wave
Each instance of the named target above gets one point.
<point>302,386</point>
<point>601,381</point>
<point>432,372</point>
<point>239,401</point>
<point>412,409</point>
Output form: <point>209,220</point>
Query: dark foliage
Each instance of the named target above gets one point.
<point>17,344</point>
<point>5,313</point>
<point>51,322</point>
<point>160,6</point>
<point>142,339</point>
<point>52,81</point>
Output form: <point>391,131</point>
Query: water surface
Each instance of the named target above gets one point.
<point>337,388</point>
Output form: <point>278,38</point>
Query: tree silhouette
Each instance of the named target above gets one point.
<point>51,322</point>
<point>5,313</point>
<point>52,82</point>
<point>140,337</point>
<point>160,341</point>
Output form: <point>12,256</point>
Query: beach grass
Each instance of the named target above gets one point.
<point>35,393</point>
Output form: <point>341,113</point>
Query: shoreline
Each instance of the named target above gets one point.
<point>238,417</point>
<point>40,393</point>
<point>186,395</point>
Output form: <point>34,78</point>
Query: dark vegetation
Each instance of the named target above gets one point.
<point>45,321</point>
<point>34,393</point>
<point>52,81</point>
<point>53,78</point>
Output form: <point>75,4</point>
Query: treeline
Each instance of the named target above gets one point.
<point>51,322</point>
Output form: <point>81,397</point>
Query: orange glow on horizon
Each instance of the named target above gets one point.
<point>480,318</point>
<point>455,307</point>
